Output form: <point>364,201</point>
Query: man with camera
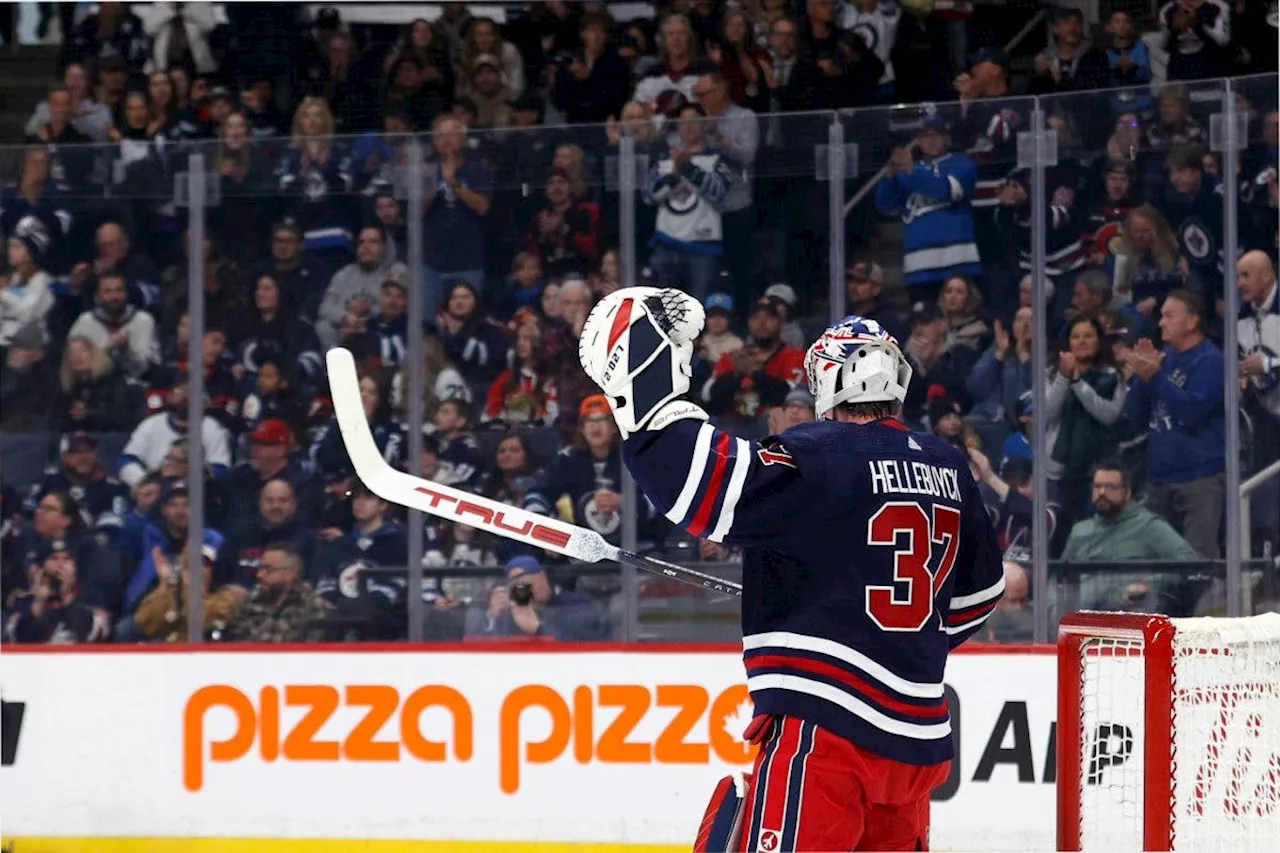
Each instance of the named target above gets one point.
<point>530,605</point>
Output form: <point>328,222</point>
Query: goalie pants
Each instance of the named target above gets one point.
<point>812,790</point>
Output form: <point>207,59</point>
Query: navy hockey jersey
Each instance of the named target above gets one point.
<point>867,556</point>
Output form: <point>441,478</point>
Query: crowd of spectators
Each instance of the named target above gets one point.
<point>306,126</point>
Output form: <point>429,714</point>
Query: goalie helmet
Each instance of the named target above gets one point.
<point>856,361</point>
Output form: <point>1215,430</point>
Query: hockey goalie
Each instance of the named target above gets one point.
<point>867,557</point>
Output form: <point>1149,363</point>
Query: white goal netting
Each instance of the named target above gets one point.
<point>1221,725</point>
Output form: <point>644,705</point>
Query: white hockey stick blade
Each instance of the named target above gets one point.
<point>397,487</point>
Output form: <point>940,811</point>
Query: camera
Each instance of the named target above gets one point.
<point>55,584</point>
<point>521,593</point>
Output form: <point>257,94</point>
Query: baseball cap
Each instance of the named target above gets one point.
<point>209,552</point>
<point>719,302</point>
<point>669,103</point>
<point>78,440</point>
<point>30,336</point>
<point>990,54</point>
<point>486,59</point>
<point>173,489</point>
<point>523,565</point>
<point>396,283</point>
<point>799,395</point>
<point>782,291</point>
<point>49,547</point>
<point>769,306</point>
<point>934,122</point>
<point>272,431</point>
<point>596,404</point>
<point>941,406</point>
<point>867,270</point>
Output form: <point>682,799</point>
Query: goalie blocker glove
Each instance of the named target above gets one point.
<point>867,551</point>
<point>637,345</point>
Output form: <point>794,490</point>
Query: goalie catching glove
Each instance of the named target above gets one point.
<point>637,345</point>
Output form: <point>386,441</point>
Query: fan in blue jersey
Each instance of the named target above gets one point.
<point>867,557</point>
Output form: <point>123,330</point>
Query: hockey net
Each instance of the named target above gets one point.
<point>1168,733</point>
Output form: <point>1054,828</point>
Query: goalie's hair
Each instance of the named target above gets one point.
<point>875,410</point>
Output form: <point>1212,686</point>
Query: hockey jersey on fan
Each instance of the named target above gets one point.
<point>934,201</point>
<point>867,556</point>
<point>688,198</point>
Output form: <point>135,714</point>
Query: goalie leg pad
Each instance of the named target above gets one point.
<point>721,828</point>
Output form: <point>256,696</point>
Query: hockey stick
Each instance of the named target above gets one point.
<point>501,519</point>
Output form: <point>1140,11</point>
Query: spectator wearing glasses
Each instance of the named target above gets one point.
<point>302,276</point>
<point>282,607</point>
<point>1121,531</point>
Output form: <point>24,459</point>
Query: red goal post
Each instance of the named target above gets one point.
<point>1168,733</point>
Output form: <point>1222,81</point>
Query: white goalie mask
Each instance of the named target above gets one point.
<point>856,361</point>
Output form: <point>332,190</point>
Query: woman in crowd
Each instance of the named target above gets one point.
<point>483,39</point>
<point>419,41</point>
<point>636,122</point>
<point>588,474</point>
<point>608,277</point>
<point>961,303</point>
<point>241,218</point>
<point>163,107</point>
<point>1003,373</point>
<point>315,179</point>
<point>742,61</point>
<point>59,524</point>
<point>329,454</point>
<point>1083,405</point>
<point>95,394</point>
<point>1146,265</point>
<point>26,293</point>
<point>273,330</point>
<point>471,340</point>
<point>141,164</point>
<point>520,396</point>
<point>549,307</point>
<point>515,469</point>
